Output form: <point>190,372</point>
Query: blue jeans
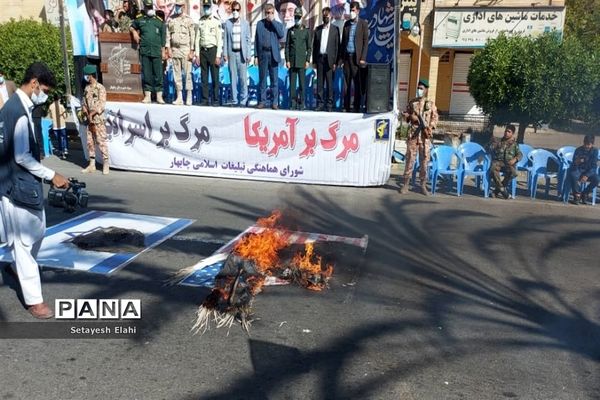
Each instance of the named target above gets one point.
<point>238,70</point>
<point>61,139</point>
<point>573,176</point>
<point>266,64</point>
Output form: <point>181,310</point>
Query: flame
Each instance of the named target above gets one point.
<point>262,247</point>
<point>312,274</point>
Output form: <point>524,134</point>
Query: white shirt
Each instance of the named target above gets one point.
<point>23,155</point>
<point>4,92</point>
<point>324,39</point>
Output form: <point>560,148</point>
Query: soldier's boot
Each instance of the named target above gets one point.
<point>147,98</point>
<point>179,100</point>
<point>159,98</point>
<point>91,168</point>
<point>105,167</point>
<point>424,189</point>
<point>406,186</point>
<point>188,99</point>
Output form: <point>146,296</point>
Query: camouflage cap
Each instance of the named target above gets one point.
<point>180,2</point>
<point>148,3</point>
<point>298,12</point>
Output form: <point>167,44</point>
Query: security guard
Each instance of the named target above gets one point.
<point>297,55</point>
<point>180,45</point>
<point>422,117</point>
<point>148,31</point>
<point>209,44</point>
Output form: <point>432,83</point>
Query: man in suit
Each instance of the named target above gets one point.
<point>325,51</point>
<point>353,56</point>
<point>236,48</point>
<point>7,88</point>
<point>297,55</point>
<point>266,50</point>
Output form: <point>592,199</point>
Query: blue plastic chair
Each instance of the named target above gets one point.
<point>225,84</point>
<point>522,165</point>
<point>338,88</point>
<point>46,126</point>
<point>310,101</point>
<point>540,159</point>
<point>442,158</point>
<point>253,88</point>
<point>564,165</point>
<point>476,162</point>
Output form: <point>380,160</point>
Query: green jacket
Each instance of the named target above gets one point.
<point>152,35</point>
<point>505,150</point>
<point>298,46</point>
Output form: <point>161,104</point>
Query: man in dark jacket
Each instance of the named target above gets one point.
<point>584,169</point>
<point>266,51</point>
<point>297,55</point>
<point>325,51</point>
<point>353,57</point>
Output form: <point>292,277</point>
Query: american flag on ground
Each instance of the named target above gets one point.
<point>203,273</point>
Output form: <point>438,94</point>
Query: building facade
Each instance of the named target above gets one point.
<point>452,30</point>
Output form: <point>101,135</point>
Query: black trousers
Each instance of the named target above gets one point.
<point>354,74</point>
<point>324,82</point>
<point>207,61</point>
<point>300,74</point>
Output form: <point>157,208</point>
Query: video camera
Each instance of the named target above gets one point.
<point>71,198</point>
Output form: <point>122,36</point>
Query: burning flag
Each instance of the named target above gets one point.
<point>256,257</point>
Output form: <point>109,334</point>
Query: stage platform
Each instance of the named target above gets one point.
<point>246,143</point>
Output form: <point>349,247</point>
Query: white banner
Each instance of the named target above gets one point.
<point>473,27</point>
<point>304,147</point>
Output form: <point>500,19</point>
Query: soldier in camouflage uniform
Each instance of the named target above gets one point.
<point>505,156</point>
<point>94,102</point>
<point>124,16</point>
<point>148,31</point>
<point>180,44</point>
<point>422,117</point>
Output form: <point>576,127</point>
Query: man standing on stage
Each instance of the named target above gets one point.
<point>297,55</point>
<point>209,44</point>
<point>236,48</point>
<point>266,50</point>
<point>180,45</point>
<point>148,31</point>
<point>325,50</point>
<point>353,57</point>
<point>22,217</point>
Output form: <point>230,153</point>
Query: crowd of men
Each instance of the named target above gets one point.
<point>227,39</point>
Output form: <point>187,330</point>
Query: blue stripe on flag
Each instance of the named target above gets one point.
<point>166,232</point>
<point>73,222</point>
<point>205,276</point>
<point>111,263</point>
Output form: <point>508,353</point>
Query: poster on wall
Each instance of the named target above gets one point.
<point>85,19</point>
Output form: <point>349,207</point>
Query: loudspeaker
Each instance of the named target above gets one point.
<point>378,88</point>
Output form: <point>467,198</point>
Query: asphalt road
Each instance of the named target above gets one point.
<point>456,298</point>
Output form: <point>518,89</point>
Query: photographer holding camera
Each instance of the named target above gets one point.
<point>21,174</point>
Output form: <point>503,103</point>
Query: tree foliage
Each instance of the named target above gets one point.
<point>26,41</point>
<point>583,21</point>
<point>534,80</point>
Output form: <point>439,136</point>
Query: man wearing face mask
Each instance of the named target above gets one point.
<point>23,221</point>
<point>266,51</point>
<point>180,45</point>
<point>422,117</point>
<point>149,32</point>
<point>297,55</point>
<point>209,43</point>
<point>94,102</point>
<point>353,57</point>
<point>325,50</point>
<point>7,88</point>
<point>236,48</point>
